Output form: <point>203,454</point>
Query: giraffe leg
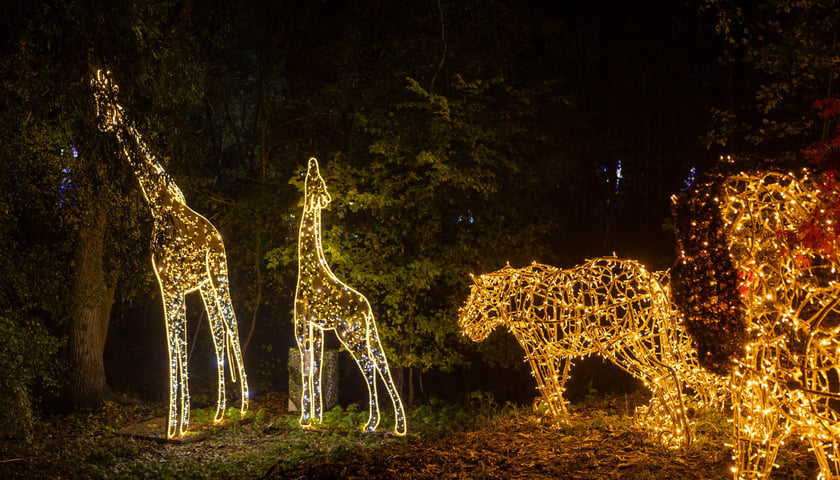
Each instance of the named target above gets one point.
<point>353,336</point>
<point>302,338</point>
<point>316,336</point>
<point>176,335</point>
<point>219,273</point>
<point>208,295</point>
<point>377,355</point>
<point>368,368</point>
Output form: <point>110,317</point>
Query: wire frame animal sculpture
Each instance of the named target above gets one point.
<point>607,306</point>
<point>323,302</point>
<point>786,377</point>
<point>187,255</point>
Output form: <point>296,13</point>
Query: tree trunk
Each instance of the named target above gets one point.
<point>410,386</point>
<point>93,297</point>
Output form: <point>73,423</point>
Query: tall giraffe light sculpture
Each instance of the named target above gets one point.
<point>187,255</point>
<point>323,302</point>
<point>778,304</point>
<point>607,306</point>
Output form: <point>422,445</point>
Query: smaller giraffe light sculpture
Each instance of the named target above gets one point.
<point>779,302</point>
<point>607,306</point>
<point>187,255</point>
<point>323,302</point>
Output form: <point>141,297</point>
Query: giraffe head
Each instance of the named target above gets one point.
<point>108,111</point>
<point>316,195</point>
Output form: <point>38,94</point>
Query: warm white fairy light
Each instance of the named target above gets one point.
<point>608,306</point>
<point>786,381</point>
<point>187,255</point>
<point>323,302</point>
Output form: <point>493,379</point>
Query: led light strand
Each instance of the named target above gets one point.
<point>323,302</point>
<point>187,255</point>
<point>608,306</point>
<point>785,380</point>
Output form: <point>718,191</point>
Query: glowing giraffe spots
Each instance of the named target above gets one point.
<point>608,306</point>
<point>785,378</point>
<point>187,255</point>
<point>322,302</point>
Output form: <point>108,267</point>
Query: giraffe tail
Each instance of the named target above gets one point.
<point>234,365</point>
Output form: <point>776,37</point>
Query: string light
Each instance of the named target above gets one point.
<point>784,365</point>
<point>187,255</point>
<point>323,302</point>
<point>610,307</point>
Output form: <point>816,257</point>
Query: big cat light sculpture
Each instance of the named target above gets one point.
<point>607,306</point>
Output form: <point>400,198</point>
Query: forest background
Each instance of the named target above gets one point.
<point>454,136</point>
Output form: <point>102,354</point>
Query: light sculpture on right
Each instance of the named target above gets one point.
<point>607,306</point>
<point>763,311</point>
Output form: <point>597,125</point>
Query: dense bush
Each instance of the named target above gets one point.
<point>28,362</point>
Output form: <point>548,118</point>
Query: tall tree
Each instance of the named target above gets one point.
<point>781,56</point>
<point>52,51</point>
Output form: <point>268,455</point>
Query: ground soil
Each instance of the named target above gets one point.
<point>601,442</point>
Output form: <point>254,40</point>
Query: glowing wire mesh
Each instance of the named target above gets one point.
<point>608,306</point>
<point>323,302</point>
<point>785,380</point>
<point>187,255</point>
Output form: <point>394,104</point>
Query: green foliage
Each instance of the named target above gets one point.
<point>29,366</point>
<point>787,49</point>
<point>438,418</point>
<point>350,420</point>
<point>260,416</point>
<point>454,137</point>
<point>412,217</point>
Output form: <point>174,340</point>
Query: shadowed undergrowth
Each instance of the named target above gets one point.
<point>477,438</point>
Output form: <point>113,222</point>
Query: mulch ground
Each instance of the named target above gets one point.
<point>599,443</point>
<point>523,448</point>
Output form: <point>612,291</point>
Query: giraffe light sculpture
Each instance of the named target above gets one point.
<point>607,306</point>
<point>323,302</point>
<point>780,302</point>
<point>187,255</point>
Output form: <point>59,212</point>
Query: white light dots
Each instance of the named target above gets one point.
<point>322,302</point>
<point>187,255</point>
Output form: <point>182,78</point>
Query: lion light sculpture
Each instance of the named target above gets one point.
<point>607,306</point>
<point>762,311</point>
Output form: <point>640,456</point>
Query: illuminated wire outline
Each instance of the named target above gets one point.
<point>607,306</point>
<point>787,377</point>
<point>188,254</point>
<point>323,302</point>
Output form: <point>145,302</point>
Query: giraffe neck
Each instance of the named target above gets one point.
<point>310,252</point>
<point>158,187</point>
